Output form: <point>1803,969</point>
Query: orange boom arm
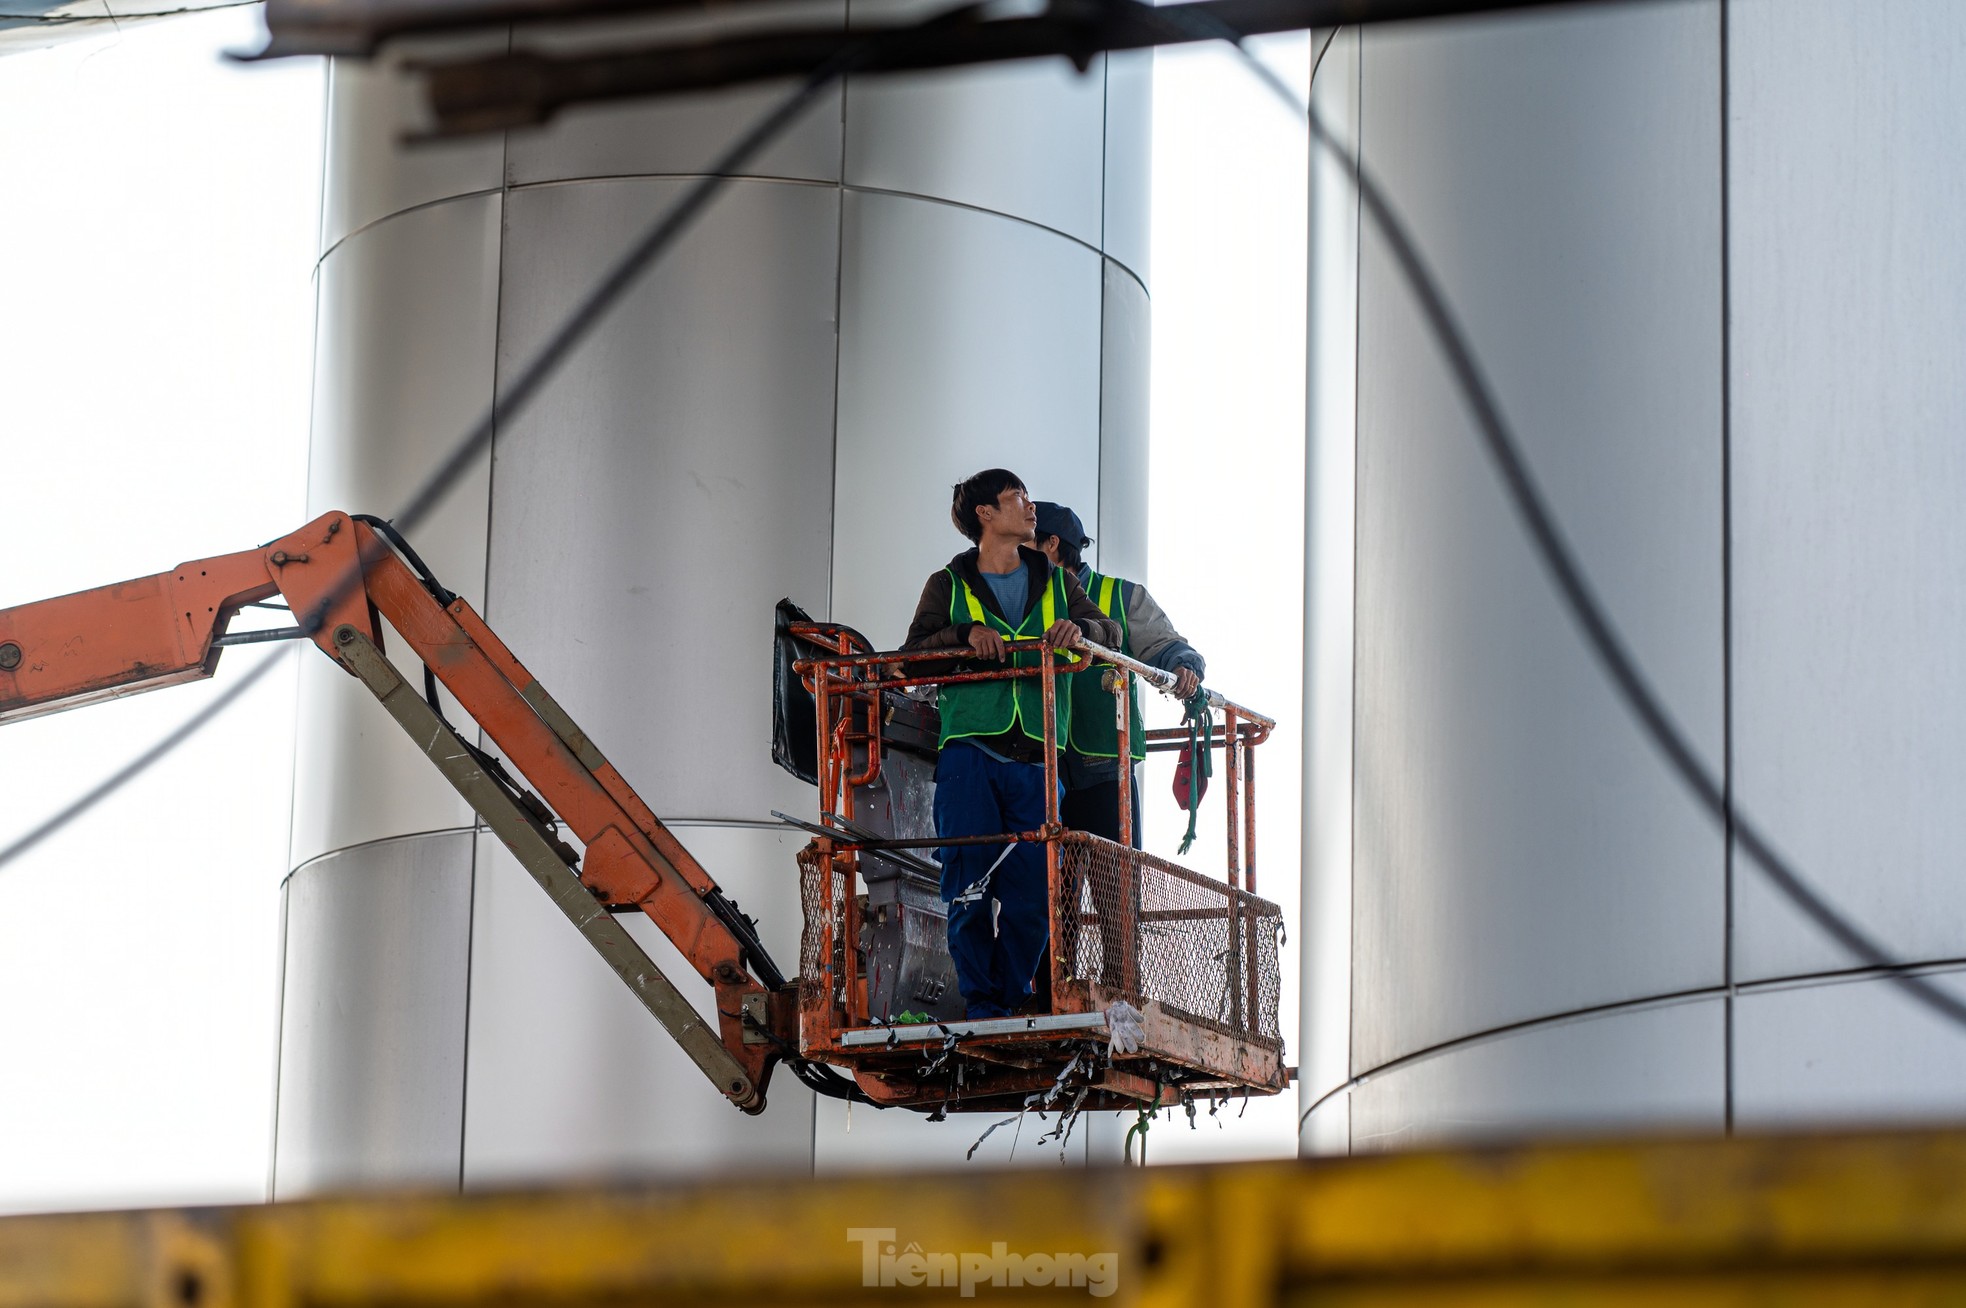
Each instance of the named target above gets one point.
<point>338,577</point>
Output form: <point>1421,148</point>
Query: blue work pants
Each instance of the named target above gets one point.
<point>997,896</point>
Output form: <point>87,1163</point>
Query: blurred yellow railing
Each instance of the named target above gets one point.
<point>1861,1219</point>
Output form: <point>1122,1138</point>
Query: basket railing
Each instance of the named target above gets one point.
<point>1124,923</point>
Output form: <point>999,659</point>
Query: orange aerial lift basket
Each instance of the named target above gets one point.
<point>1161,984</point>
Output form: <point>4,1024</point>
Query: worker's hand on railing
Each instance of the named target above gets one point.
<point>986,642</point>
<point>1186,682</point>
<point>1064,634</point>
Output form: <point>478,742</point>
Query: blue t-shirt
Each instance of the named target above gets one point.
<point>1013,591</point>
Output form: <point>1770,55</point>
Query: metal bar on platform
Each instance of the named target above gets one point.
<point>924,1032</point>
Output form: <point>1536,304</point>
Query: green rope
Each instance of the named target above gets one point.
<point>1201,763</point>
<point>1139,1128</point>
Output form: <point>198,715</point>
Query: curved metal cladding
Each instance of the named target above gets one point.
<point>1705,255</point>
<point>923,278</point>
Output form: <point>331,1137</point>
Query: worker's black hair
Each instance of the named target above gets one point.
<point>973,492</point>
<point>1070,556</point>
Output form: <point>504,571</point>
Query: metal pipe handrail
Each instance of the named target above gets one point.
<point>1154,676</point>
<point>1175,871</point>
<point>839,682</point>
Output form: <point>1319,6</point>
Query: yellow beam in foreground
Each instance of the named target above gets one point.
<point>1872,1219</point>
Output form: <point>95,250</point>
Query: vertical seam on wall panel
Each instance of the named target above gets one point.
<point>1105,143</point>
<point>833,502</point>
<point>1358,359</point>
<point>470,943</point>
<point>1099,431</point>
<point>1099,434</point>
<point>484,594</point>
<point>1099,419</point>
<point>498,336</point>
<point>279,1033</point>
<point>1307,680</point>
<point>293,773</point>
<point>321,213</point>
<point>307,473</point>
<point>839,333</point>
<point>1726,587</point>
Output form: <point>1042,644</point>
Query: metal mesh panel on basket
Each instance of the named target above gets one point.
<point>1155,930</point>
<point>813,871</point>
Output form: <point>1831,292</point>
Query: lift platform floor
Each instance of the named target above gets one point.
<point>1856,1219</point>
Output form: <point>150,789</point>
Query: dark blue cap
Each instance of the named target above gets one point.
<point>1057,520</point>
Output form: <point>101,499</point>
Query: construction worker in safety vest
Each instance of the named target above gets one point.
<point>1090,768</point>
<point>989,777</point>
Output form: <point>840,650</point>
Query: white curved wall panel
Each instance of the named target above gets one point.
<point>1648,1069</point>
<point>1119,524</point>
<point>1849,309</point>
<point>404,342</point>
<point>372,1013</point>
<point>680,135</point>
<point>371,104</point>
<point>1519,848</point>
<point>656,499</point>
<point>1518,851</point>
<point>1331,480</point>
<point>1324,1123</point>
<point>1022,138</point>
<point>1846,1052</point>
<point>570,1076</point>
<point>779,410</point>
<point>967,341</point>
<point>1129,160</point>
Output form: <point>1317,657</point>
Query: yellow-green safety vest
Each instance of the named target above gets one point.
<point>1094,732</point>
<point>990,708</point>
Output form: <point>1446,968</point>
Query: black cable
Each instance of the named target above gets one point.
<point>824,1079</point>
<point>820,1078</point>
<point>387,529</point>
<point>1589,613</point>
<point>1580,600</point>
<point>611,287</point>
<point>232,638</point>
<point>659,237</point>
<point>137,766</point>
<point>725,910</point>
<point>1526,498</point>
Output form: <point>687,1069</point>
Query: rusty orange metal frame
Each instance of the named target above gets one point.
<point>341,581</point>
<point>847,682</point>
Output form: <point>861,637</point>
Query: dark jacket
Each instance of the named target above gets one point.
<point>932,629</point>
<point>1154,640</point>
<point>1152,633</point>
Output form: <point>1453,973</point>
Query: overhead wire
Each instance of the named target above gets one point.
<point>142,763</point>
<point>1559,560</point>
<point>1525,496</point>
<point>506,405</point>
<point>623,274</point>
